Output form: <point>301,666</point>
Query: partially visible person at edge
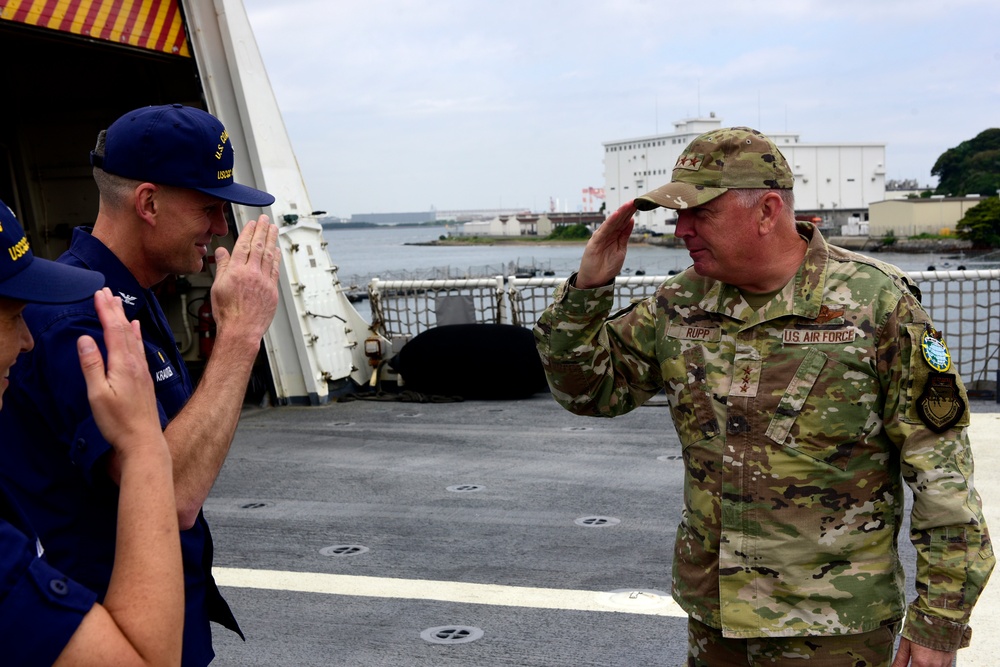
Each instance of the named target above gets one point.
<point>164,175</point>
<point>47,618</point>
<point>806,384</point>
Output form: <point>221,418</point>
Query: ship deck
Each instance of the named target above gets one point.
<point>387,533</point>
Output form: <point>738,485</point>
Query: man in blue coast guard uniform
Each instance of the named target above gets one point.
<point>47,618</point>
<point>164,174</point>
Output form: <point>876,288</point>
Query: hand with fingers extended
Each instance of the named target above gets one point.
<point>121,395</point>
<point>604,255</point>
<point>245,291</point>
<point>141,617</point>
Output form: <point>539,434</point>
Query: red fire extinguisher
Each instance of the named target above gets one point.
<point>206,328</point>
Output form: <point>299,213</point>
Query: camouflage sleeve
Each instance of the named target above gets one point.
<point>597,365</point>
<point>926,416</point>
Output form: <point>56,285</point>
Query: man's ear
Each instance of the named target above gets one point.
<point>769,212</point>
<point>147,203</point>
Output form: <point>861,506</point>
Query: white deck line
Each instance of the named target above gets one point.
<point>449,591</point>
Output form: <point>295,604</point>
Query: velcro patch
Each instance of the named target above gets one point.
<point>827,314</point>
<point>746,373</point>
<point>817,336</point>
<point>691,161</point>
<point>710,334</point>
<point>940,406</point>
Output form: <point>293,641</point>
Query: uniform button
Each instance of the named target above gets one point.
<point>81,444</point>
<point>59,587</point>
<point>737,424</point>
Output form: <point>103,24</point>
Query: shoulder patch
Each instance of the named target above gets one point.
<point>935,352</point>
<point>931,397</point>
<point>941,405</point>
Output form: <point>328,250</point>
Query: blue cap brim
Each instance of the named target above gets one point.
<point>43,281</point>
<point>239,194</point>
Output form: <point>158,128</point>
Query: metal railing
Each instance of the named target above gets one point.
<point>405,308</point>
<point>965,306</point>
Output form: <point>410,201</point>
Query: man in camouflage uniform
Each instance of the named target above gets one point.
<point>806,384</point>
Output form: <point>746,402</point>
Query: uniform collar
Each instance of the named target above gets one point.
<point>810,281</point>
<point>93,254</point>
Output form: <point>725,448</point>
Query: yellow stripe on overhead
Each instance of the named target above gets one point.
<point>77,15</point>
<point>119,25</point>
<point>158,25</point>
<point>101,19</point>
<point>137,38</point>
<point>56,18</point>
<point>34,12</point>
<point>109,20</point>
<point>11,9</point>
<point>176,28</point>
<point>82,11</point>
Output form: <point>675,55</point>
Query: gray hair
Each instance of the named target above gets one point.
<point>750,197</point>
<point>115,190</point>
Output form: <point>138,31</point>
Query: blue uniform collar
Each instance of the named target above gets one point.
<point>88,252</point>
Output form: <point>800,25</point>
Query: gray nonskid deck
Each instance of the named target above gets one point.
<point>432,499</point>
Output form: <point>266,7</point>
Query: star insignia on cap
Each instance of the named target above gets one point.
<point>689,161</point>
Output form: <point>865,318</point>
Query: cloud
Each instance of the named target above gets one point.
<point>396,104</point>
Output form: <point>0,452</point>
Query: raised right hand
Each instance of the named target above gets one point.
<point>245,290</point>
<point>604,255</point>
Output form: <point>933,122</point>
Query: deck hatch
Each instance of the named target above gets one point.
<point>343,550</point>
<point>464,488</point>
<point>594,521</point>
<point>451,634</point>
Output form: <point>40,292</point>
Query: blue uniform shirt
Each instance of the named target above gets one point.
<point>40,608</point>
<point>53,457</point>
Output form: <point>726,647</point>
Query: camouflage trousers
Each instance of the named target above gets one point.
<point>708,648</point>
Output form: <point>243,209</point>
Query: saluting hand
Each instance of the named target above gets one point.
<point>245,291</point>
<point>604,255</point>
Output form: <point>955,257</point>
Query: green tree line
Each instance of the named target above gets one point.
<point>973,167</point>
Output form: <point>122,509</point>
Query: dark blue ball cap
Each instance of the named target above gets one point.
<point>28,278</point>
<point>176,145</point>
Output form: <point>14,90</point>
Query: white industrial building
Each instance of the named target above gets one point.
<point>528,224</point>
<point>832,181</point>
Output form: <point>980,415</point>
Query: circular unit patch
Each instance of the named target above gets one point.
<point>936,353</point>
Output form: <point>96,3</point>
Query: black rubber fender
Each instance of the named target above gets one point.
<point>473,361</point>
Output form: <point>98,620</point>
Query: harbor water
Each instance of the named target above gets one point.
<point>394,253</point>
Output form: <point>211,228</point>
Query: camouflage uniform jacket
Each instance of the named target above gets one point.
<point>798,425</point>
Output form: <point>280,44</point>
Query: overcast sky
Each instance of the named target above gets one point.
<point>401,105</point>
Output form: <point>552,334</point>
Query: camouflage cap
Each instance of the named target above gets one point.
<point>717,161</point>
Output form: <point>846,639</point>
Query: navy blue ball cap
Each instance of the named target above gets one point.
<point>176,145</point>
<point>28,278</point>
